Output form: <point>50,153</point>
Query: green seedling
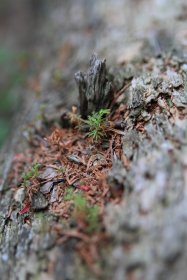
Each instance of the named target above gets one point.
<point>90,215</point>
<point>83,211</point>
<point>93,218</point>
<point>97,124</point>
<point>31,174</point>
<point>80,203</point>
<point>61,170</point>
<point>69,194</point>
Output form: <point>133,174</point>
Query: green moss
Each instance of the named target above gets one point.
<point>80,203</point>
<point>93,218</point>
<point>82,210</point>
<point>69,194</point>
<point>42,222</point>
<point>31,174</point>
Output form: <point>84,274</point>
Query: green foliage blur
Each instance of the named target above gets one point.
<point>19,22</point>
<point>12,77</point>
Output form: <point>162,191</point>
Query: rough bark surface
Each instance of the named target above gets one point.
<point>148,229</point>
<point>95,91</point>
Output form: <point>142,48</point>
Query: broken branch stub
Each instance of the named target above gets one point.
<point>95,90</point>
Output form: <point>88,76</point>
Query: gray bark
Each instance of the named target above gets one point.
<point>95,91</point>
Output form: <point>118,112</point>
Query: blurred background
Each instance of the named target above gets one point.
<point>37,33</point>
<point>18,21</point>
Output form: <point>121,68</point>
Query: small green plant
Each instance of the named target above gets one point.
<point>90,215</point>
<point>97,124</point>
<point>31,174</point>
<point>83,211</point>
<point>69,194</point>
<point>80,203</point>
<point>93,218</point>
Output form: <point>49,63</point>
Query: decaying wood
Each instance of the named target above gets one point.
<point>95,91</point>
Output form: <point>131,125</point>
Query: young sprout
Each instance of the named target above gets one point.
<point>83,211</point>
<point>97,124</point>
<point>90,215</point>
<point>31,174</point>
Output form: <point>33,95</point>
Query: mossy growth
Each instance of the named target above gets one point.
<point>69,194</point>
<point>83,212</point>
<point>31,174</point>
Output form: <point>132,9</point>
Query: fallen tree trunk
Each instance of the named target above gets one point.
<point>145,223</point>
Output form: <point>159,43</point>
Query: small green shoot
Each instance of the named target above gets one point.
<point>97,123</point>
<point>69,194</point>
<point>83,211</point>
<point>31,174</point>
<point>93,218</point>
<point>80,203</point>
